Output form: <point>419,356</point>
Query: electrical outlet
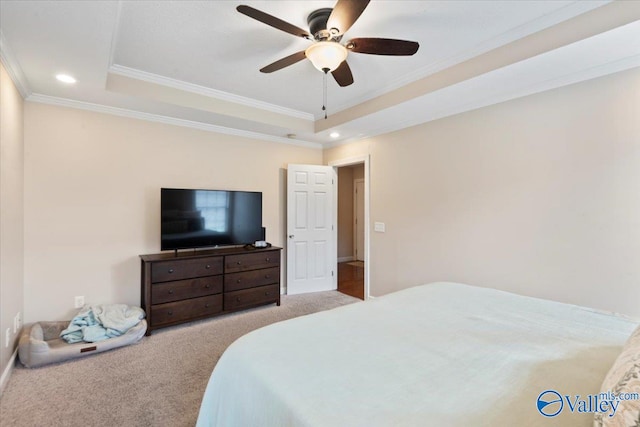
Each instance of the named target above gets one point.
<point>7,336</point>
<point>79,301</point>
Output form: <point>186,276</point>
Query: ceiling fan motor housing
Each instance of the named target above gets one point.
<point>317,21</point>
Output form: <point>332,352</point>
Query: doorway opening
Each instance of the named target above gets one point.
<point>352,221</point>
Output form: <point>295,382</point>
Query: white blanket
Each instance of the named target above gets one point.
<point>442,354</point>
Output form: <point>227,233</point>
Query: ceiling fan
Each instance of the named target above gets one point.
<point>326,28</point>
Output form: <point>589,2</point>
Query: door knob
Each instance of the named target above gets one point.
<point>291,236</point>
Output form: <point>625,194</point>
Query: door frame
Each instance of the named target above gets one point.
<point>349,162</point>
<point>355,217</point>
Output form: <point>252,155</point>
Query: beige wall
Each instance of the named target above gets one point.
<point>92,197</point>
<point>539,196</point>
<point>358,171</point>
<point>11,212</point>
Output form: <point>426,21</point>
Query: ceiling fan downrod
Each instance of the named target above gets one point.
<point>324,91</point>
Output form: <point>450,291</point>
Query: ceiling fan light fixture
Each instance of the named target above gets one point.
<point>326,55</point>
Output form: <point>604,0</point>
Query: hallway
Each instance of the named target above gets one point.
<point>351,278</point>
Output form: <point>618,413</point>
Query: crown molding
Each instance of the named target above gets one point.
<point>564,13</point>
<point>123,112</point>
<point>205,91</point>
<point>115,32</point>
<point>13,68</point>
<point>543,86</point>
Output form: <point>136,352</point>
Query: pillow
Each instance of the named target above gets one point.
<point>624,377</point>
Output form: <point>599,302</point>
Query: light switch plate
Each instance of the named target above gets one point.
<point>379,227</point>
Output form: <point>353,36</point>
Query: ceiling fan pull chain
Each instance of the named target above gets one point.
<point>324,92</point>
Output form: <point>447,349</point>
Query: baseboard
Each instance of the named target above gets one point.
<point>346,259</point>
<point>4,379</point>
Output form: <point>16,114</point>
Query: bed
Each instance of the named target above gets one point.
<point>442,354</point>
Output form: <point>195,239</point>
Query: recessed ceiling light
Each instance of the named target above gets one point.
<point>65,78</point>
<point>334,134</point>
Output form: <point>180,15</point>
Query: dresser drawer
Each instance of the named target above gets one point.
<point>183,289</point>
<point>250,297</point>
<point>251,279</point>
<point>251,261</point>
<point>185,310</point>
<point>178,269</point>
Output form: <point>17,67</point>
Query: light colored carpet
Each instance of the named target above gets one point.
<point>157,382</point>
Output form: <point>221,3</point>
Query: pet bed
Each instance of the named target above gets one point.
<point>40,343</point>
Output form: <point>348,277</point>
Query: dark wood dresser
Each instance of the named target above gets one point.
<point>178,288</point>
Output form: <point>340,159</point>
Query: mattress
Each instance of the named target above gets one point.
<point>442,354</point>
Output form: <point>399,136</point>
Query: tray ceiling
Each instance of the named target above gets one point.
<point>195,63</point>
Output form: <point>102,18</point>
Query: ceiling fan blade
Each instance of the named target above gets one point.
<point>375,46</point>
<point>265,18</point>
<point>343,75</point>
<point>284,62</point>
<point>345,13</point>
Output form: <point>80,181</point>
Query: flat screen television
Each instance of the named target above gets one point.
<point>206,218</point>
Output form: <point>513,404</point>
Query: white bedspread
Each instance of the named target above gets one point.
<point>442,354</point>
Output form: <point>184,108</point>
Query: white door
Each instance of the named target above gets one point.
<point>358,209</point>
<point>311,242</point>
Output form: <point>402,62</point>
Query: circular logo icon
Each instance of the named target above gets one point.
<point>550,403</point>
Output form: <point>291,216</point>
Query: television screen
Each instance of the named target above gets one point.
<point>201,218</point>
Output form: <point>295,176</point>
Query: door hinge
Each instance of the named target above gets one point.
<point>331,273</point>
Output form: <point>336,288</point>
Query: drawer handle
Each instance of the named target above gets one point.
<point>206,305</point>
<point>266,276</point>
<point>238,299</point>
<point>170,291</point>
<point>170,270</point>
<point>208,266</point>
<point>238,281</point>
<point>268,259</point>
<point>238,263</point>
<point>170,313</point>
<point>207,286</point>
<point>266,294</point>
